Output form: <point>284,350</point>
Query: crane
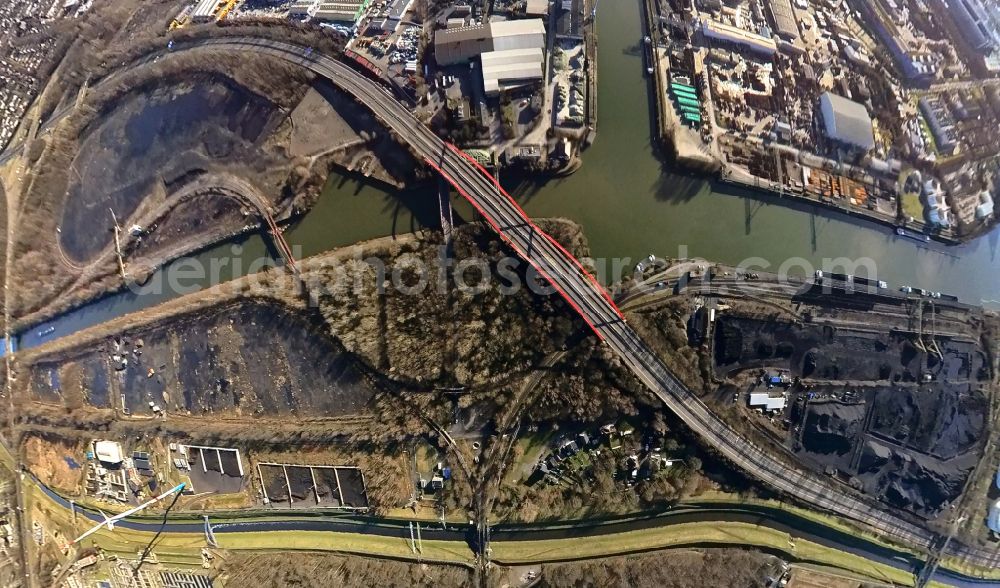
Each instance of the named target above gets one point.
<point>109,522</point>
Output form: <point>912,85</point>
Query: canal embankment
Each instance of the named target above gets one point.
<point>698,146</point>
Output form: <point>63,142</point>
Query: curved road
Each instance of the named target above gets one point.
<point>596,308</point>
<point>764,516</point>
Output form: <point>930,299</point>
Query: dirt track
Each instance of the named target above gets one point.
<point>254,357</point>
<point>151,137</point>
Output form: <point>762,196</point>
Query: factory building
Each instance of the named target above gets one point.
<point>766,401</point>
<point>847,122</point>
<point>784,19</point>
<point>993,519</point>
<point>506,70</point>
<point>970,18</point>
<point>941,123</point>
<point>518,34</point>
<point>936,209</point>
<point>918,66</point>
<point>204,11</point>
<point>457,45</point>
<point>108,452</point>
<point>343,11</point>
<point>727,35</point>
<point>453,46</point>
<point>302,8</point>
<point>984,209</point>
<point>537,8</point>
<point>397,8</point>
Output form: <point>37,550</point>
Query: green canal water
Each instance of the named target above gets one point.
<point>631,204</point>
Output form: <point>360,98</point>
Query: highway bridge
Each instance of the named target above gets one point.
<point>596,307</point>
<point>598,310</point>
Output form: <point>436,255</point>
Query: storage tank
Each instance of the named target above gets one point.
<point>993,519</point>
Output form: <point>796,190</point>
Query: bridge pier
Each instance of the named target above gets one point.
<point>445,210</point>
<point>209,534</point>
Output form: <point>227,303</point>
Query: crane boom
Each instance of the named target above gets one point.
<point>110,521</point>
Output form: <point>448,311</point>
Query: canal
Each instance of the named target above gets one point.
<point>629,203</point>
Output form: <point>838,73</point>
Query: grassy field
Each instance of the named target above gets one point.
<point>912,207</point>
<point>530,448</point>
<point>826,520</point>
<point>394,547</point>
<point>184,549</point>
<point>690,534</point>
<point>964,568</point>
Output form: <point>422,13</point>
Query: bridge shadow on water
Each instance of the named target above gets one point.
<point>408,210</point>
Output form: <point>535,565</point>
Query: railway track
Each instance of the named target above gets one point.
<point>595,307</point>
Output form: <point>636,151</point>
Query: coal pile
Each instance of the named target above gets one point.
<point>885,413</point>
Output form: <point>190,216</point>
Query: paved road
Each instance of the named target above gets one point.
<point>796,526</point>
<point>596,308</point>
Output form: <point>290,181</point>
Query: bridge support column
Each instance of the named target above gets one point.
<point>209,535</point>
<point>444,207</point>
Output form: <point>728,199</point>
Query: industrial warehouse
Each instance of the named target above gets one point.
<point>453,46</point>
<point>790,96</point>
<point>824,413</point>
<point>847,122</point>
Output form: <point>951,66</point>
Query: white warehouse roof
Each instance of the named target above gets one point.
<point>767,401</point>
<point>512,65</point>
<point>461,44</point>
<point>729,34</point>
<point>518,34</point>
<point>108,451</point>
<point>510,28</point>
<point>204,10</point>
<point>993,519</point>
<point>847,121</point>
<point>537,8</point>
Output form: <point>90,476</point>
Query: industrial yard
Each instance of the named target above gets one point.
<point>874,409</point>
<point>251,358</point>
<point>513,81</point>
<point>346,400</point>
<point>886,391</point>
<point>835,107</point>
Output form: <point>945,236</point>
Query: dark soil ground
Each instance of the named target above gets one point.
<point>91,380</point>
<point>153,137</point>
<point>255,357</point>
<point>300,483</point>
<point>352,486</point>
<point>273,479</point>
<point>874,410</point>
<point>222,478</point>
<point>826,353</point>
<point>300,480</point>
<point>197,216</point>
<point>327,487</point>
